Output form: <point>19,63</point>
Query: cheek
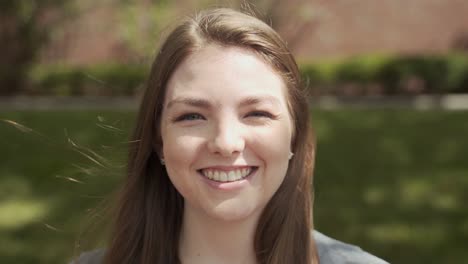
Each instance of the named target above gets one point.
<point>272,148</point>
<point>180,151</point>
<point>273,144</point>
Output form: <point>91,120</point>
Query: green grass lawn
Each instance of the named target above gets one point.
<point>393,182</point>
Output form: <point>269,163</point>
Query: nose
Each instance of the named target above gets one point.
<point>227,139</point>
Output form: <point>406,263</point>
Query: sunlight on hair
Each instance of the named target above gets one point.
<point>69,178</point>
<point>18,126</point>
<point>89,156</point>
<point>51,227</point>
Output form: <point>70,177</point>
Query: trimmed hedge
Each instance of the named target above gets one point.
<point>360,75</point>
<point>370,74</point>
<point>110,80</point>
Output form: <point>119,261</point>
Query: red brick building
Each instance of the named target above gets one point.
<point>313,28</point>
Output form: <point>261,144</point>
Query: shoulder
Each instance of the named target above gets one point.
<point>90,257</point>
<point>332,251</point>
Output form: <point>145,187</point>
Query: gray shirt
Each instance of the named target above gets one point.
<point>330,251</point>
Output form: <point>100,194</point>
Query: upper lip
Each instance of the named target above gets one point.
<point>227,168</point>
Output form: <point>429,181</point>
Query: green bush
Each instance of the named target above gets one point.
<point>457,74</point>
<point>395,74</point>
<point>107,79</point>
<point>415,74</point>
<point>430,71</point>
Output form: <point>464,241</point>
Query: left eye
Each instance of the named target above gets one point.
<point>189,117</point>
<point>259,114</point>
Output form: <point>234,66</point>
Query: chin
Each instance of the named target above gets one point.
<point>230,212</point>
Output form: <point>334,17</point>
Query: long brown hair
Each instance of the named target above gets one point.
<point>149,216</point>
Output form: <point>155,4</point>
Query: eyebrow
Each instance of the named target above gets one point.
<point>203,103</point>
<point>253,100</point>
<point>196,102</point>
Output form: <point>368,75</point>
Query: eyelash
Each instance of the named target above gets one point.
<point>196,116</point>
<point>188,117</point>
<point>261,114</point>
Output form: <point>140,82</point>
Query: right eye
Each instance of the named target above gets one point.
<point>189,117</point>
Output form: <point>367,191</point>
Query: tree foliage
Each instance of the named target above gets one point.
<point>24,27</point>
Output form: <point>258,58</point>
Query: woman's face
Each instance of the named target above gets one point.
<point>226,132</point>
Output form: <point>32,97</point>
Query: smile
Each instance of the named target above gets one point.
<point>227,175</point>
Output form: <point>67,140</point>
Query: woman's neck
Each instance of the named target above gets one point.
<point>207,240</point>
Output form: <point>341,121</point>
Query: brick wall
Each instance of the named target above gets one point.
<point>313,28</point>
<point>346,27</point>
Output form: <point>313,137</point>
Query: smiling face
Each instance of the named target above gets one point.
<point>226,132</point>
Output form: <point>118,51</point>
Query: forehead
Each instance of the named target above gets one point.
<point>230,69</point>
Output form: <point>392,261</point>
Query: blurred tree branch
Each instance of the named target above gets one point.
<point>24,29</point>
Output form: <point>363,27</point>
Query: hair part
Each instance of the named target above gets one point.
<point>149,218</point>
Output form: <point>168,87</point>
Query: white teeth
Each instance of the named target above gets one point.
<point>232,176</point>
<point>226,176</point>
<point>223,176</point>
<point>245,171</point>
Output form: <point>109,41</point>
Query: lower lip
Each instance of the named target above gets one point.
<point>229,186</point>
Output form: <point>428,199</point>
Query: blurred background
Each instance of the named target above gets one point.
<point>389,85</point>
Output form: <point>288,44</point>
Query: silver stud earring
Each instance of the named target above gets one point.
<point>290,155</point>
<point>162,161</point>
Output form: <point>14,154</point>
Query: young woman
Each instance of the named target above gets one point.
<point>221,168</point>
